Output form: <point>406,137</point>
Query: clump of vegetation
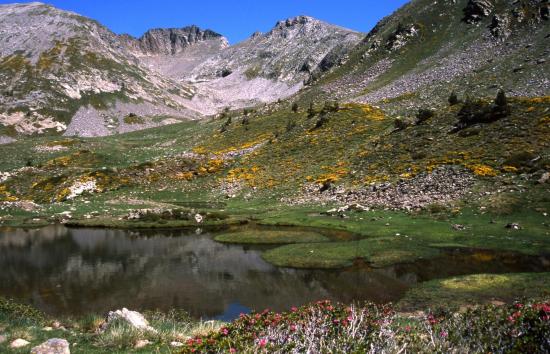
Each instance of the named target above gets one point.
<point>323,119</point>
<point>295,107</point>
<point>330,107</point>
<point>522,161</point>
<point>225,125</point>
<point>311,112</point>
<point>478,111</point>
<point>325,327</point>
<point>453,99</point>
<point>423,115</point>
<point>401,123</point>
<point>13,311</point>
<point>133,118</point>
<point>290,125</point>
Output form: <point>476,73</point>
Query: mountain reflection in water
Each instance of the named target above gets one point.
<point>78,271</point>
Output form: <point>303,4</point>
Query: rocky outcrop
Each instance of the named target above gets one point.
<point>476,10</point>
<point>402,35</point>
<point>500,27</point>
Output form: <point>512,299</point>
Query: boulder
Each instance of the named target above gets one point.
<point>142,343</point>
<point>52,346</point>
<point>513,226</point>
<point>133,318</point>
<point>544,178</point>
<point>19,343</point>
<point>199,218</point>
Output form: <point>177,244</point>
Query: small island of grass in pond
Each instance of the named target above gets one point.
<point>265,237</point>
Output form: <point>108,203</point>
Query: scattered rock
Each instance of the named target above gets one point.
<point>47,329</point>
<point>513,226</point>
<point>52,346</point>
<point>458,227</point>
<point>199,218</point>
<point>3,338</point>
<point>441,186</point>
<point>141,343</point>
<point>176,344</point>
<point>19,343</point>
<point>352,207</point>
<point>544,178</point>
<point>133,318</point>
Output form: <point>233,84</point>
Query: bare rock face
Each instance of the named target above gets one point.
<point>171,41</point>
<point>476,10</point>
<point>287,53</point>
<point>402,35</point>
<point>52,346</point>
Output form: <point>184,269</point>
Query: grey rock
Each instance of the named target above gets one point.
<point>19,343</point>
<point>171,41</point>
<point>544,178</point>
<point>52,346</point>
<point>132,318</point>
<point>513,226</point>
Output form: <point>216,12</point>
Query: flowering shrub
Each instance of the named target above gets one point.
<point>324,327</point>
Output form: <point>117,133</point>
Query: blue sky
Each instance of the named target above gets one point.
<point>235,19</point>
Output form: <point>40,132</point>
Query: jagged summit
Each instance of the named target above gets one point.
<point>171,41</point>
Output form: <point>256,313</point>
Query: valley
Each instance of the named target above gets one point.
<point>407,165</point>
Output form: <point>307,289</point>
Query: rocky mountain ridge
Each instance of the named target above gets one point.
<point>170,41</point>
<point>64,73</point>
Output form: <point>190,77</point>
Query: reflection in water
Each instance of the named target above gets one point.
<point>78,271</point>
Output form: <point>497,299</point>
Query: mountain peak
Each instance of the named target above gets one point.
<point>170,41</point>
<point>293,21</point>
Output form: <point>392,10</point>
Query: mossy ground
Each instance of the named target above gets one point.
<point>271,237</point>
<point>476,289</point>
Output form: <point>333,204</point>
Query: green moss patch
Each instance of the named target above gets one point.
<point>271,237</point>
<point>477,289</point>
<point>378,252</point>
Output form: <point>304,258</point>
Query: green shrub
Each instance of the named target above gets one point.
<point>423,115</point>
<point>453,99</point>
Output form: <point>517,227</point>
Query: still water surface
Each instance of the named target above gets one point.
<point>78,271</point>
